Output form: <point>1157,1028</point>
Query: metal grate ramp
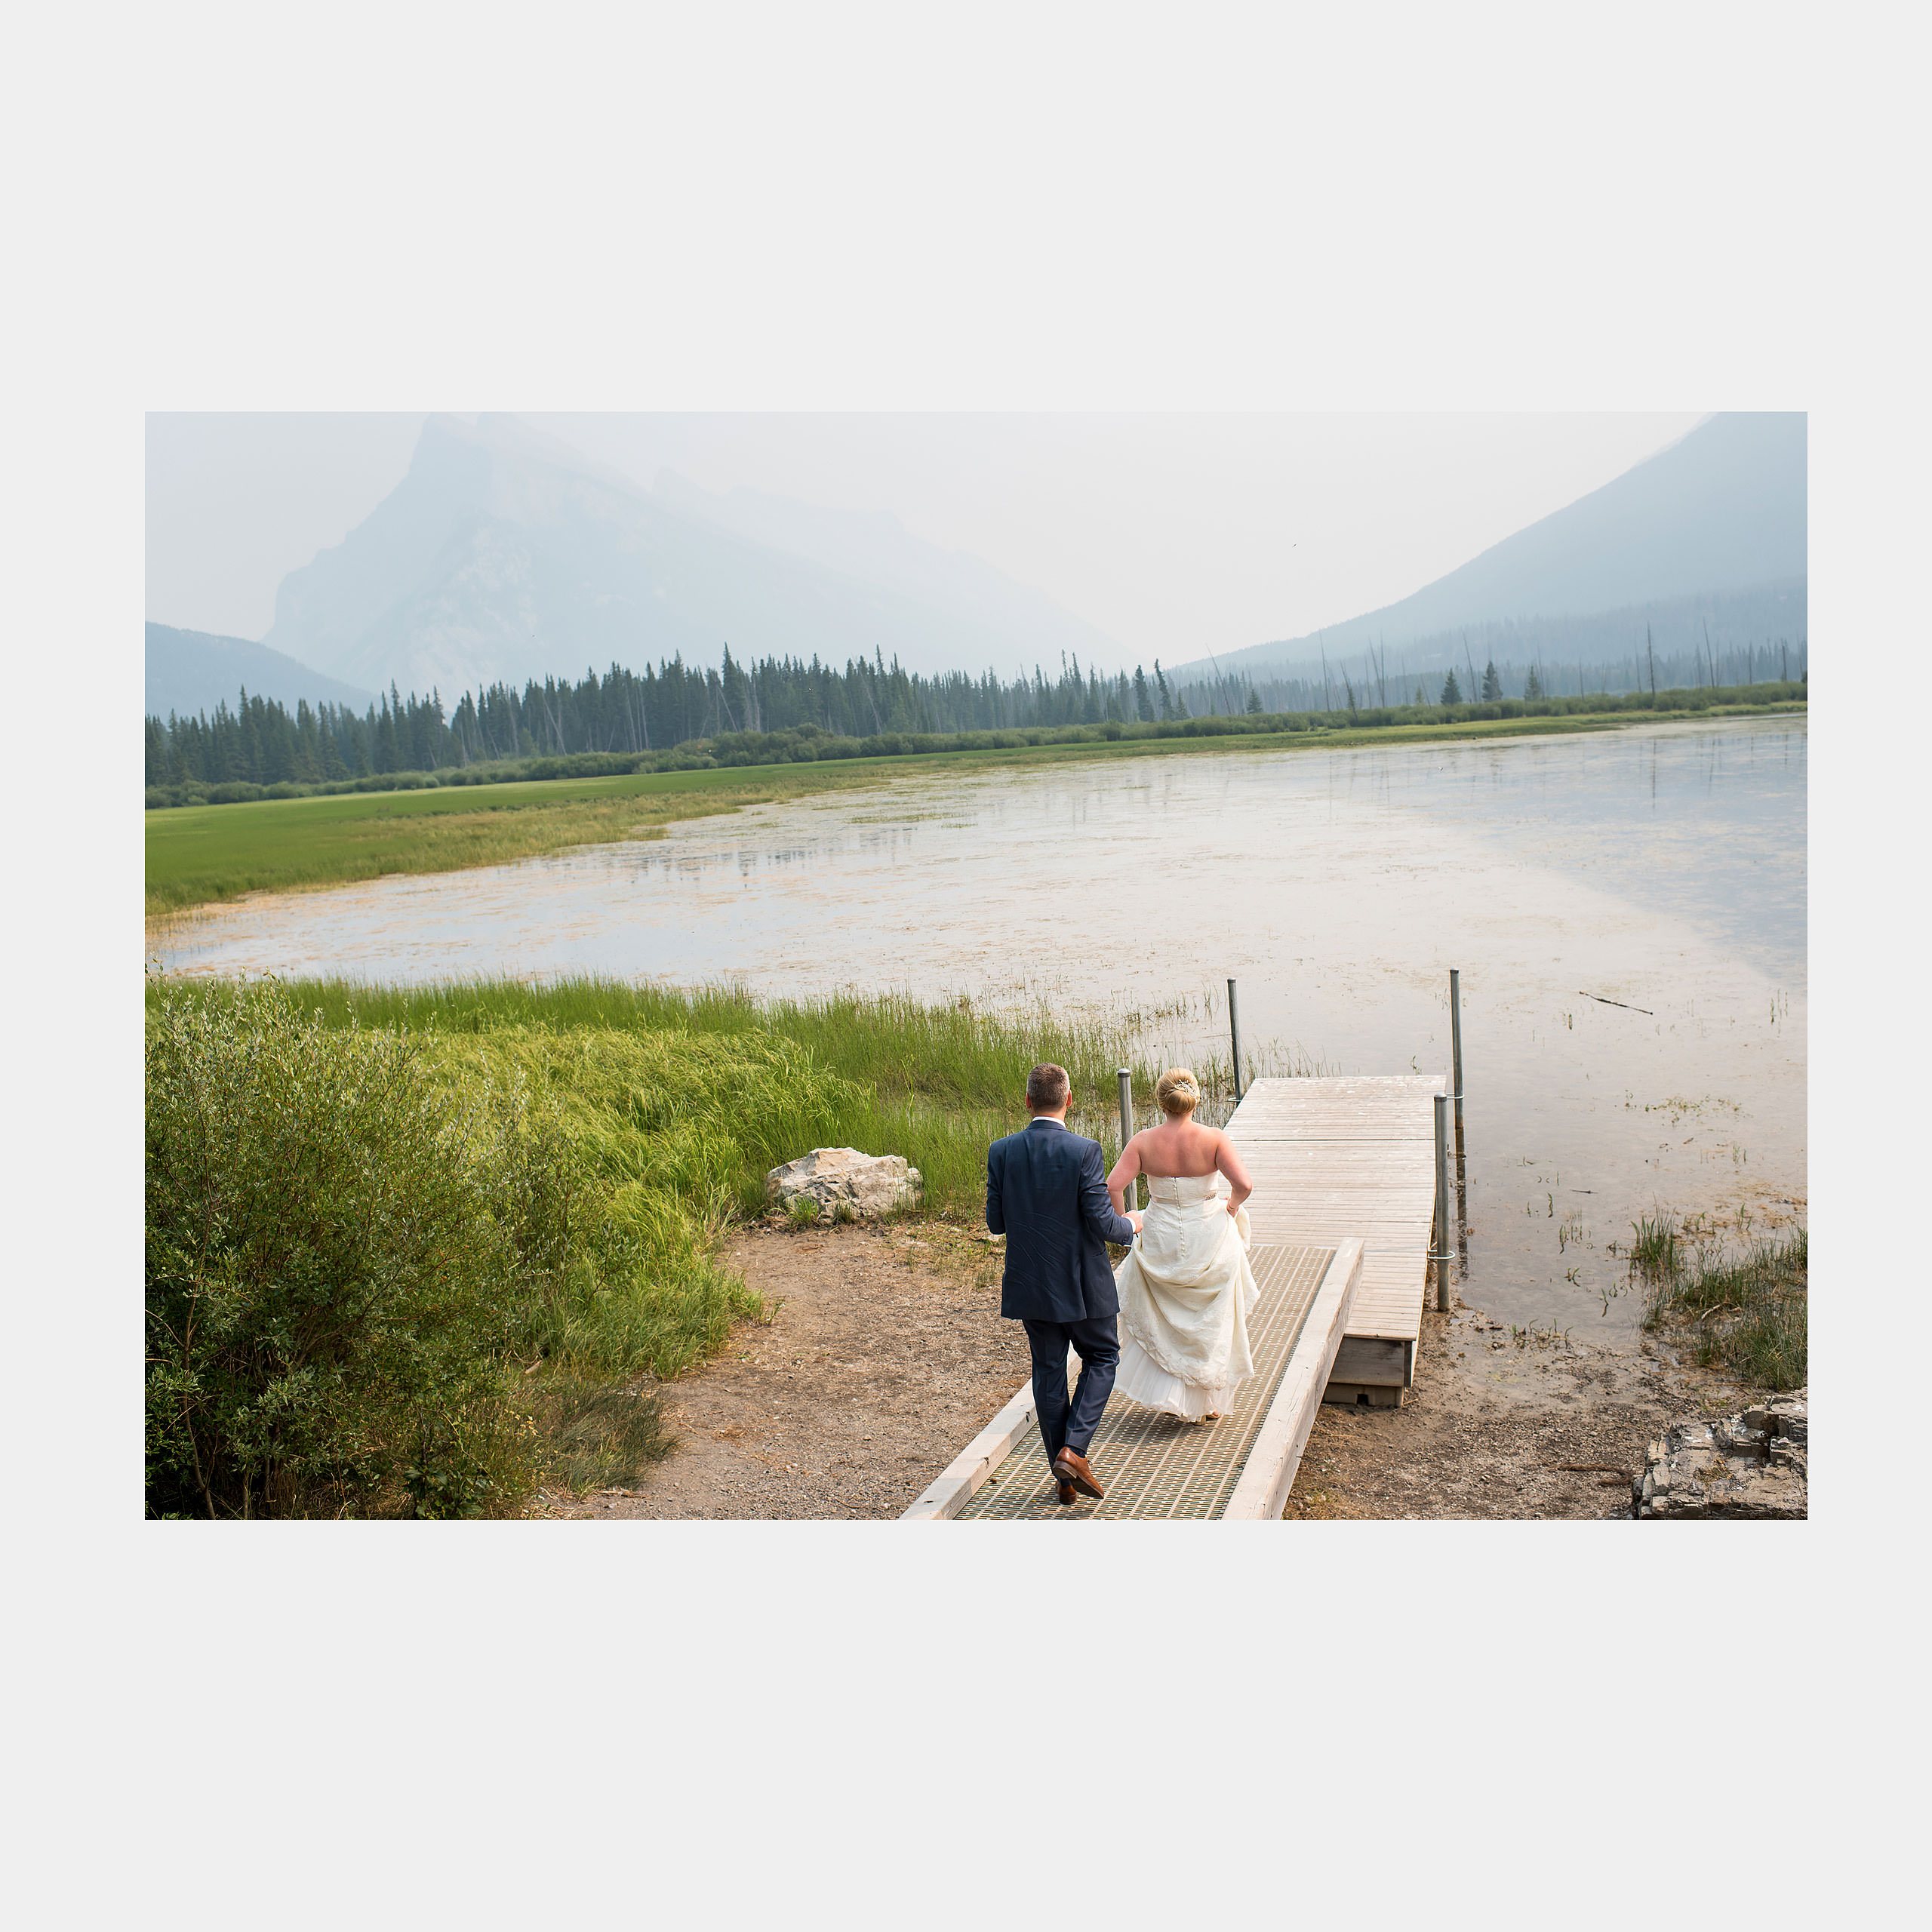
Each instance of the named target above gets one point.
<point>1156,1466</point>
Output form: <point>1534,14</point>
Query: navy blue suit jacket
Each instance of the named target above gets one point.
<point>1046,1192</point>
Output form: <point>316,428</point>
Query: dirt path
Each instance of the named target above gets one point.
<point>887,1354</point>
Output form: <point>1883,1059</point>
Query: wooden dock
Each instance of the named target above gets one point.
<point>1344,1174</point>
<point>1354,1157</point>
<point>1239,1468</point>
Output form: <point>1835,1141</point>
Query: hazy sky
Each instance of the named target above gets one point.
<point>1173,533</point>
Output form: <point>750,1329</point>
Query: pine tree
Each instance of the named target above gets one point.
<point>1532,686</point>
<point>1492,685</point>
<point>1452,692</point>
<point>1167,702</point>
<point>386,754</point>
<point>1143,701</point>
<point>1253,706</point>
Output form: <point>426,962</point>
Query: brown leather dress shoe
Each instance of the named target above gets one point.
<point>1066,1492</point>
<point>1069,1465</point>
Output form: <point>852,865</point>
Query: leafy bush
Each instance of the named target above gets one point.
<point>351,1239</point>
<point>335,1257</point>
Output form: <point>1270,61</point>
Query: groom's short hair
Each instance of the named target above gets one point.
<point>1047,1087</point>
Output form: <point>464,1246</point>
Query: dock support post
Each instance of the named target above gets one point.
<point>1234,1039</point>
<point>1132,1190</point>
<point>1455,1071</point>
<point>1441,1254</point>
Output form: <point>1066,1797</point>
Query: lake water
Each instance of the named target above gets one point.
<point>1662,867</point>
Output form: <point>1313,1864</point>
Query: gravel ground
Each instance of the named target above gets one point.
<point>1476,1437</point>
<point>886,1354</point>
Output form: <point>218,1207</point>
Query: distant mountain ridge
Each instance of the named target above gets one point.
<point>505,554</point>
<point>1721,510</point>
<point>189,672</point>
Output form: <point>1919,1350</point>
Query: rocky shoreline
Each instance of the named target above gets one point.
<point>1751,1466</point>
<point>1506,1424</point>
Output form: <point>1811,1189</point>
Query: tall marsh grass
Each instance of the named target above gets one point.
<point>933,1080</point>
<point>1746,1313</point>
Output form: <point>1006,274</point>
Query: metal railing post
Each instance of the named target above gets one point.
<point>1441,1256</point>
<point>1132,1189</point>
<point>1234,1039</point>
<point>1456,1071</point>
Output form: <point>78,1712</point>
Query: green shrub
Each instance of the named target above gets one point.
<point>352,1235</point>
<point>337,1255</point>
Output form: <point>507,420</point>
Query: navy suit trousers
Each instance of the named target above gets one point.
<point>1065,1425</point>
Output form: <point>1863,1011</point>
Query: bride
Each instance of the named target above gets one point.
<point>1185,1287</point>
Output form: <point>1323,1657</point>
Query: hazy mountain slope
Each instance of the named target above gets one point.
<point>1723,509</point>
<point>972,602</point>
<point>504,553</point>
<point>192,671</point>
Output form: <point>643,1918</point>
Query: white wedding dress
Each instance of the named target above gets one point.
<point>1186,1293</point>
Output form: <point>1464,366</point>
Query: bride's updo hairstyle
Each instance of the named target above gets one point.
<point>1178,1092</point>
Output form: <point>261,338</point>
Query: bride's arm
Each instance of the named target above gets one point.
<point>1229,1161</point>
<point>1126,1169</point>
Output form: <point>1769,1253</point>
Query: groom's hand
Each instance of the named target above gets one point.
<point>1136,1218</point>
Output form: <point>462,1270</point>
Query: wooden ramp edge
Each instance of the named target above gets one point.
<point>1260,1492</point>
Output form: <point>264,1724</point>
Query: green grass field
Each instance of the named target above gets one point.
<point>200,855</point>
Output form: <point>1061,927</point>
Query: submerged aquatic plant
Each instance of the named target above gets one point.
<point>1653,1248</point>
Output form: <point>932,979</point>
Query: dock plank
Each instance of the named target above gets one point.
<point>1350,1156</point>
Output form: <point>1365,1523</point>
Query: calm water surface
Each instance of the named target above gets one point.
<point>1663,868</point>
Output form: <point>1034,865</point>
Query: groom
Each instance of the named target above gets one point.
<point>1046,1192</point>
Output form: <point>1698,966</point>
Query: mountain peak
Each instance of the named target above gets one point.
<point>508,437</point>
<point>505,553</point>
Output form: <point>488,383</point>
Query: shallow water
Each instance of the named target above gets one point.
<point>1662,867</point>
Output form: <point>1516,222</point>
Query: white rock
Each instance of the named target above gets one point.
<point>846,1183</point>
